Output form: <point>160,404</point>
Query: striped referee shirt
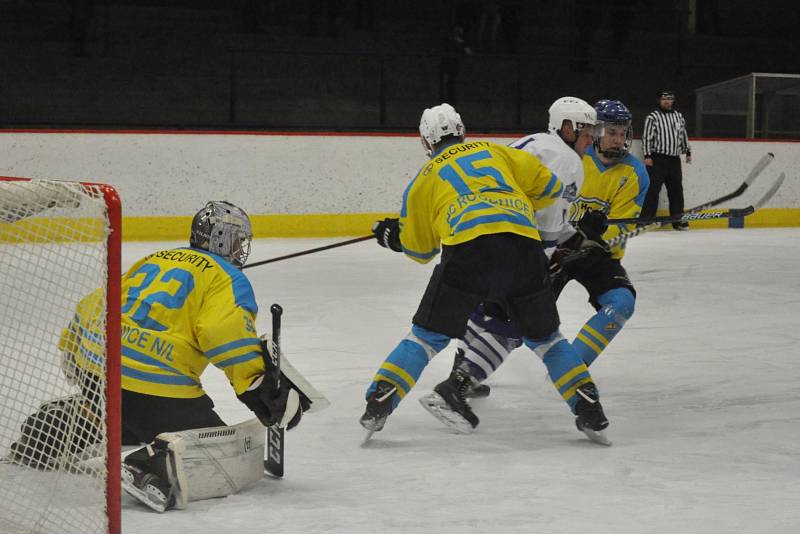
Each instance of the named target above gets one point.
<point>665,133</point>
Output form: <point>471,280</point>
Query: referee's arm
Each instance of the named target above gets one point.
<point>685,148</point>
<point>647,139</point>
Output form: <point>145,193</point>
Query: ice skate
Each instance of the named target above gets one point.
<point>147,488</point>
<point>476,390</point>
<point>449,405</point>
<point>589,416</point>
<point>379,406</point>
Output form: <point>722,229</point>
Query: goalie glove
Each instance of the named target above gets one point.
<point>387,232</point>
<point>282,406</point>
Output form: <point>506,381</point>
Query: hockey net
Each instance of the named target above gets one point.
<point>59,350</point>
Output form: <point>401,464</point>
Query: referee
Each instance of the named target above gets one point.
<point>663,141</point>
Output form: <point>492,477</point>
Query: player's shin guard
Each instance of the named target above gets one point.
<point>617,307</point>
<point>405,363</point>
<point>566,369</point>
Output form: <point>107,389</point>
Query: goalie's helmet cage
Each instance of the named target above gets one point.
<point>60,349</point>
<point>223,229</point>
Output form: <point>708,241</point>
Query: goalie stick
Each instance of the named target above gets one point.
<point>275,435</point>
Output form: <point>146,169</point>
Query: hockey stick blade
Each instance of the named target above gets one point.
<point>706,215</point>
<point>771,191</point>
<point>754,173</point>
<point>741,212</point>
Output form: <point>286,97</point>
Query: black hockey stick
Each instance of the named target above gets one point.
<point>759,167</point>
<point>687,216</point>
<point>275,435</point>
<point>310,251</point>
<point>742,212</point>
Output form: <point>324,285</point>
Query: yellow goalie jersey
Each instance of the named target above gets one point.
<point>181,310</point>
<point>618,190</point>
<point>472,189</point>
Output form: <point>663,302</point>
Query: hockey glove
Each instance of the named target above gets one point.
<point>577,255</point>
<point>593,224</point>
<point>387,232</point>
<point>273,405</point>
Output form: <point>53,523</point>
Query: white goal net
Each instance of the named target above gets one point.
<point>59,357</point>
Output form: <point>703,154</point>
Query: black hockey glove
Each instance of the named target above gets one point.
<point>577,255</point>
<point>387,232</point>
<point>593,224</point>
<point>269,402</point>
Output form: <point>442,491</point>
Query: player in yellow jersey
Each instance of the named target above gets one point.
<point>614,186</point>
<point>476,201</point>
<point>183,309</point>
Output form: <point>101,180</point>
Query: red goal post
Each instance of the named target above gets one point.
<point>60,268</point>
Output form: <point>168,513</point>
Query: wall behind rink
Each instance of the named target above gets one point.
<point>318,184</point>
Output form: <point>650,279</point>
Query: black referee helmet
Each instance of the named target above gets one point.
<point>666,93</point>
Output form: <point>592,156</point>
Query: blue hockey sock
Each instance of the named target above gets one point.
<point>566,369</point>
<point>617,307</point>
<point>404,365</point>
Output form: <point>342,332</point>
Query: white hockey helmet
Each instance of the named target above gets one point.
<point>437,123</point>
<point>573,109</point>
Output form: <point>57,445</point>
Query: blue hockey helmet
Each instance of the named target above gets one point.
<point>614,132</point>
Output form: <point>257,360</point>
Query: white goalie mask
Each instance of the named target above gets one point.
<point>573,109</point>
<point>437,123</point>
<point>223,229</point>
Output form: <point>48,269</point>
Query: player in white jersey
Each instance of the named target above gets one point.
<point>561,148</point>
<point>570,133</point>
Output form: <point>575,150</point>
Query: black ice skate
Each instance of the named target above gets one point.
<point>448,403</point>
<point>147,488</point>
<point>379,406</point>
<point>589,416</point>
<point>476,390</point>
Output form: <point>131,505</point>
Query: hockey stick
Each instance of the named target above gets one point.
<point>759,167</point>
<point>275,435</point>
<point>687,216</point>
<point>310,251</point>
<point>742,212</point>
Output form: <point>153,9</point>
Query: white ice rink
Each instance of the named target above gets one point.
<point>702,388</point>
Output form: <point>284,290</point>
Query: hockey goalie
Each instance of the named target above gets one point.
<point>181,310</point>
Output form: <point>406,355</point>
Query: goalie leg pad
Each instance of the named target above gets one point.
<point>214,462</point>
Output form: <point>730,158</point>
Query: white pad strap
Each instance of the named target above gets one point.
<point>216,461</point>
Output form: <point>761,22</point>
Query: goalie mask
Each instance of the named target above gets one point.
<point>223,229</point>
<point>439,123</point>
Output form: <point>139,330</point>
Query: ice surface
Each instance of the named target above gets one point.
<point>702,388</point>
